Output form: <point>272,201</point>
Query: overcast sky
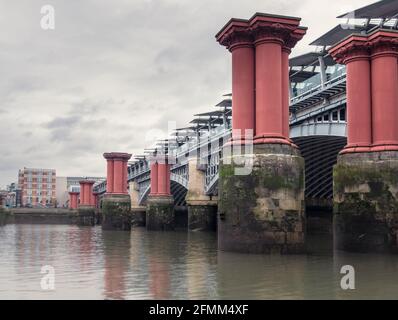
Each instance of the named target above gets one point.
<point>112,70</point>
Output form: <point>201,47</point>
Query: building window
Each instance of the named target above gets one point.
<point>326,117</point>
<point>335,116</point>
<point>342,115</point>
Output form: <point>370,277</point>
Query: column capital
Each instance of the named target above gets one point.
<point>86,181</point>
<point>290,41</point>
<point>383,43</point>
<point>355,47</point>
<point>117,156</point>
<point>273,28</point>
<point>235,34</point>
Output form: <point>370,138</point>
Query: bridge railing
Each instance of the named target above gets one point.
<point>314,84</point>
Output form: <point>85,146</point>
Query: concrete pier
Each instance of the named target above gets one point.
<point>202,209</point>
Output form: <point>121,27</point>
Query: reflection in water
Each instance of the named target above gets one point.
<point>94,264</point>
<point>116,245</point>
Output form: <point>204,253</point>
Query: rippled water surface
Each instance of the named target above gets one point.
<point>94,264</point>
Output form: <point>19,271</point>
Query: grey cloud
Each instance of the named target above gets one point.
<point>111,70</point>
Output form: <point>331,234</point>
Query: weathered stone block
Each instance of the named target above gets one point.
<point>202,217</point>
<point>366,202</point>
<point>86,216</point>
<point>258,210</point>
<point>160,213</point>
<point>116,212</point>
<point>138,217</point>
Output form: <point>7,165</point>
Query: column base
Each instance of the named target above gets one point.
<point>263,211</point>
<point>138,218</point>
<point>160,213</point>
<point>116,212</point>
<point>366,202</point>
<point>202,217</point>
<point>86,216</point>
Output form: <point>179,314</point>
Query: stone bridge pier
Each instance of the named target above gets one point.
<point>138,212</point>
<point>202,209</point>
<point>116,204</point>
<point>365,176</point>
<point>261,205</point>
<point>160,203</point>
<point>86,208</point>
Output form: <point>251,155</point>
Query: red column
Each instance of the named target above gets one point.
<point>73,200</point>
<point>82,192</point>
<point>268,91</point>
<point>359,113</point>
<point>354,53</point>
<point>86,190</point>
<point>285,92</point>
<point>162,179</point>
<point>384,90</point>
<point>94,199</point>
<point>239,40</point>
<point>154,178</point>
<point>125,176</point>
<point>243,88</point>
<point>109,176</point>
<point>117,172</point>
<point>168,182</point>
<point>118,176</point>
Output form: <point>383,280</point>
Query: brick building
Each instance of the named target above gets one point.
<point>38,187</point>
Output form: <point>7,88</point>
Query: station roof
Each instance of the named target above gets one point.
<point>310,58</point>
<point>225,103</point>
<point>338,33</point>
<point>382,9</point>
<point>206,121</point>
<point>216,113</point>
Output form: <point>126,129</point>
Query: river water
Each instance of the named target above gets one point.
<point>89,263</point>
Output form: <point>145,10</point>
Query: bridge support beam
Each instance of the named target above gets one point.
<point>261,205</point>
<point>160,203</point>
<point>138,212</point>
<point>202,209</point>
<point>86,208</point>
<point>116,204</point>
<point>364,178</point>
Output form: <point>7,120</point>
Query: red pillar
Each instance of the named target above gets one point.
<point>354,53</point>
<point>118,176</point>
<point>285,92</point>
<point>94,199</point>
<point>73,200</point>
<point>168,182</point>
<point>239,41</point>
<point>268,90</point>
<point>162,179</point>
<point>82,193</point>
<point>109,176</point>
<point>384,51</point>
<point>117,172</point>
<point>260,90</point>
<point>154,178</point>
<point>86,190</point>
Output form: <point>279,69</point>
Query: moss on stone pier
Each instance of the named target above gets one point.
<point>263,211</point>
<point>366,202</point>
<point>116,212</point>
